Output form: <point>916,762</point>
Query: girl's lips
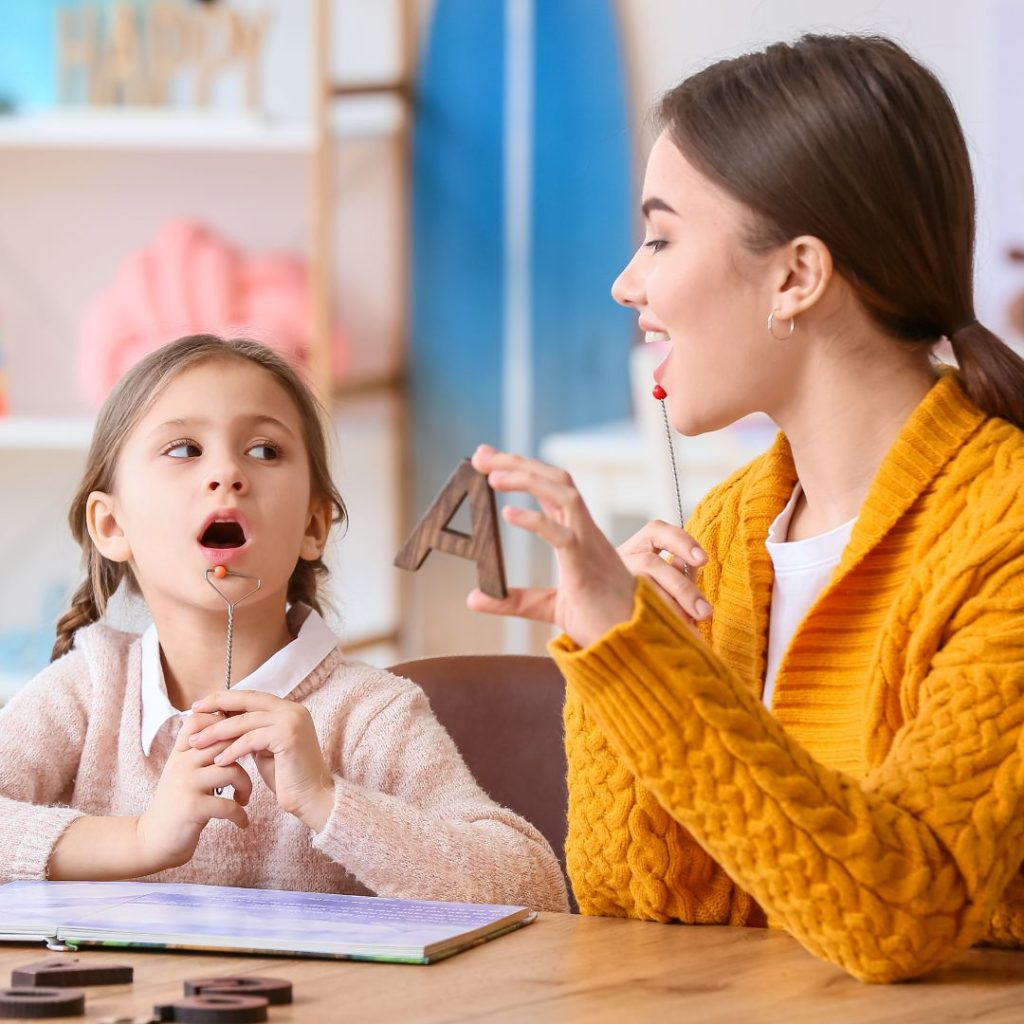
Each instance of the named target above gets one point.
<point>221,556</point>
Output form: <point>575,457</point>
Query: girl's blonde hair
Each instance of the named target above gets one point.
<point>125,406</point>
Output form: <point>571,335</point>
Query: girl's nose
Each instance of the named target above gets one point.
<point>628,288</point>
<point>229,477</point>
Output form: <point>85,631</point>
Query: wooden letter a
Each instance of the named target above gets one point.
<point>482,546</point>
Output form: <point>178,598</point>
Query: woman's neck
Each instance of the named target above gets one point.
<point>846,417</point>
<point>193,642</point>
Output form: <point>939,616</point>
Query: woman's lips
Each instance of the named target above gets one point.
<point>659,370</point>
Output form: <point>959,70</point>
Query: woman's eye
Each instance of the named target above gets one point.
<point>264,450</point>
<point>183,450</point>
<point>655,244</point>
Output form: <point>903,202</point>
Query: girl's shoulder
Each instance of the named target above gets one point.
<point>107,650</point>
<point>343,682</point>
<point>96,664</point>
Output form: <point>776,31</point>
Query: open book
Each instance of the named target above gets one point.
<point>150,915</point>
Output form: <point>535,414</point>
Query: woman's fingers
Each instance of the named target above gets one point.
<point>557,535</point>
<point>537,603</point>
<point>658,536</point>
<point>681,589</point>
<point>487,459</point>
<point>552,494</point>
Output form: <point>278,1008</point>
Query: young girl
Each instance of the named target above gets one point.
<point>825,726</point>
<point>211,453</point>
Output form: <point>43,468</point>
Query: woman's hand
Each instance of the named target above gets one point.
<point>666,554</point>
<point>595,590</point>
<point>282,738</point>
<point>183,802</point>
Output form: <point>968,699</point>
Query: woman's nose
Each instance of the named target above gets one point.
<point>628,287</point>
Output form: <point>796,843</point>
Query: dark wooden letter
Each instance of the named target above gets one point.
<point>482,546</point>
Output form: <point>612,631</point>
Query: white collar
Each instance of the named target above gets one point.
<point>278,675</point>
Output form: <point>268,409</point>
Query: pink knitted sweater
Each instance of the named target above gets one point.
<point>408,818</point>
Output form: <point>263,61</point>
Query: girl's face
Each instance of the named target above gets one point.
<point>216,472</point>
<point>695,280</point>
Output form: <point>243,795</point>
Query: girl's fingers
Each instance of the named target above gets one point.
<point>189,726</point>
<point>249,743</point>
<point>231,702</point>
<point>217,807</point>
<point>537,603</point>
<point>229,728</point>
<point>214,777</point>
<point>681,589</point>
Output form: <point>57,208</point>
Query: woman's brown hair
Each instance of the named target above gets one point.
<point>849,139</point>
<point>125,406</point>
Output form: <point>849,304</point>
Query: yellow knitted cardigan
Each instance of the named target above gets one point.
<point>877,812</point>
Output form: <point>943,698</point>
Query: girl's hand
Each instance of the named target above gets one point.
<point>282,738</point>
<point>666,554</point>
<point>595,591</point>
<point>169,829</point>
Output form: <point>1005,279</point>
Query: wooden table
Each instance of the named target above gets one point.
<point>564,968</point>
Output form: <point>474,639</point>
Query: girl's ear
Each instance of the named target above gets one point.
<point>805,270</point>
<point>106,534</point>
<point>318,526</point>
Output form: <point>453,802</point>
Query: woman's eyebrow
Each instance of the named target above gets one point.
<point>654,203</point>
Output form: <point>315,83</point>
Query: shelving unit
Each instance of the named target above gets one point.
<point>35,434</point>
<point>187,130</point>
<point>367,405</point>
<point>328,94</point>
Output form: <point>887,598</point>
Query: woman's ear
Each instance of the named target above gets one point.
<point>805,270</point>
<point>106,534</point>
<point>318,526</point>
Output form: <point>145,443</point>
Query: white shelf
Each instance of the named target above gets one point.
<point>24,433</point>
<point>184,130</point>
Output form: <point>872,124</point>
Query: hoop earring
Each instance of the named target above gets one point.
<point>771,326</point>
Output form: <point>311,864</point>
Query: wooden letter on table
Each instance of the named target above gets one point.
<point>482,546</point>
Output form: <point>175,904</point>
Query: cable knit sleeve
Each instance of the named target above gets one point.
<point>612,815</point>
<point>42,731</point>
<point>409,819</point>
<point>887,876</point>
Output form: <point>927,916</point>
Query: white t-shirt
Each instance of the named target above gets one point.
<point>802,571</point>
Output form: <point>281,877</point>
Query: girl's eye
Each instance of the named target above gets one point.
<point>183,449</point>
<point>655,244</point>
<point>264,450</point>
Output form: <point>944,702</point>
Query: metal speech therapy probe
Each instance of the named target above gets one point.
<point>220,572</point>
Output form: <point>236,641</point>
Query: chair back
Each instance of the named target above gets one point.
<point>504,713</point>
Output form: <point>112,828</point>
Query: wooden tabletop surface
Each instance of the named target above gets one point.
<point>567,968</point>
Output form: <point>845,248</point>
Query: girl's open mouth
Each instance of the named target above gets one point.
<point>224,536</point>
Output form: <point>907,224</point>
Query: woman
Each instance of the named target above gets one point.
<point>823,725</point>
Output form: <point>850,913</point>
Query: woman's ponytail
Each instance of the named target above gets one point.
<point>991,373</point>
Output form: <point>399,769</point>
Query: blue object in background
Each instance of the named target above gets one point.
<point>581,230</point>
<point>28,52</point>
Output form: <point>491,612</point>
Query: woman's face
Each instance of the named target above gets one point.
<point>695,280</point>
